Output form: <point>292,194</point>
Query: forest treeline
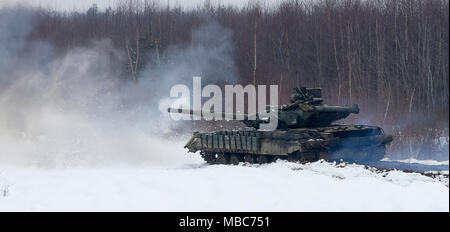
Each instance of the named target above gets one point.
<point>389,56</point>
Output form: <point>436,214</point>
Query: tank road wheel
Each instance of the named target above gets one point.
<point>249,159</point>
<point>222,158</point>
<point>235,159</point>
<point>261,159</point>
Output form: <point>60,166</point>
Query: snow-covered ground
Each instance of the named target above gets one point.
<point>281,186</point>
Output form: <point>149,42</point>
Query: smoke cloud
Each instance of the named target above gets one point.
<point>75,109</point>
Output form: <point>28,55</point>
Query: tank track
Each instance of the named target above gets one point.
<point>374,153</point>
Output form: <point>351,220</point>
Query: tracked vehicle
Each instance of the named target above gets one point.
<point>305,133</point>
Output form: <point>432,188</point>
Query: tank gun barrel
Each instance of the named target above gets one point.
<point>343,109</point>
<point>246,117</point>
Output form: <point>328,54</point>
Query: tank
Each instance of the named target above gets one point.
<point>305,132</point>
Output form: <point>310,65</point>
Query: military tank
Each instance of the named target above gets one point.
<point>305,132</point>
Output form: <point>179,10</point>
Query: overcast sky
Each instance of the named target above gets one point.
<point>69,5</point>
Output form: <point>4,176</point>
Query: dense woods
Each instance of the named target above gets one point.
<point>389,56</point>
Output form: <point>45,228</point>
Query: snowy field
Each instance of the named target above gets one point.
<point>281,186</point>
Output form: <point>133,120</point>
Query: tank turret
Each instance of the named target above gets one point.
<point>306,109</point>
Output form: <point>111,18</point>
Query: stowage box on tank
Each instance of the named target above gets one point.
<point>305,133</point>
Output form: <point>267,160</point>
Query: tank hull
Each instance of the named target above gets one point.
<point>334,142</point>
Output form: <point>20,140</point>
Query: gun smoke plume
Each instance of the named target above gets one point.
<point>75,108</point>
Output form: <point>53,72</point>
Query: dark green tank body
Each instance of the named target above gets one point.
<point>305,133</point>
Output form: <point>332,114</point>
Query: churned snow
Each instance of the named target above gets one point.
<point>281,186</point>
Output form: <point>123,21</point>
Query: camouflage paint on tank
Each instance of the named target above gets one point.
<point>305,132</point>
